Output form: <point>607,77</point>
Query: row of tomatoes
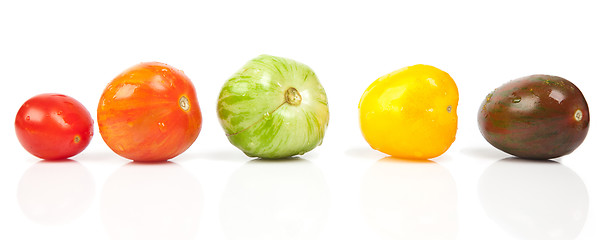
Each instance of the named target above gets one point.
<point>276,108</point>
<point>147,113</point>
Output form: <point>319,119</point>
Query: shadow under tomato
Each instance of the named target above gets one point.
<point>391,159</point>
<point>230,155</point>
<point>366,153</point>
<point>277,160</point>
<point>101,157</point>
<point>484,152</point>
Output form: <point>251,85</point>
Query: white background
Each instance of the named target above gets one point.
<point>342,189</point>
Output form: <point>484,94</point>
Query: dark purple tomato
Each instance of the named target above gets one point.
<point>535,117</point>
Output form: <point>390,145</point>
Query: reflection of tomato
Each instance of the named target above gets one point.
<point>149,113</point>
<point>53,126</point>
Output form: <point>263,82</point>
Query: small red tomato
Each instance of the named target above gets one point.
<point>149,113</point>
<point>54,126</point>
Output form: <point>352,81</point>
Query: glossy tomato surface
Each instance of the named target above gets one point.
<point>149,113</point>
<point>410,113</point>
<point>535,117</point>
<point>53,126</point>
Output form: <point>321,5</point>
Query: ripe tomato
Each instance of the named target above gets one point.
<point>53,126</point>
<point>149,113</point>
<point>410,113</point>
<point>535,117</point>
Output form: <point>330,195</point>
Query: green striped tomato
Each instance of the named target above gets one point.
<point>273,108</point>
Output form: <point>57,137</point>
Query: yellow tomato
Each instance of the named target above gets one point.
<point>410,113</point>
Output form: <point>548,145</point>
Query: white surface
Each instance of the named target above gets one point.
<point>342,189</point>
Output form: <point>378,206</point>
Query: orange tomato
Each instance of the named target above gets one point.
<point>149,113</point>
<point>410,113</point>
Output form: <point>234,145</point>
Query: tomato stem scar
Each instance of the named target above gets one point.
<point>184,103</point>
<point>293,97</point>
<point>578,115</point>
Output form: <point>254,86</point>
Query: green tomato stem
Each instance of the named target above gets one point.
<point>293,97</point>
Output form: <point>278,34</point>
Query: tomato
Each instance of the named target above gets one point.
<point>53,126</point>
<point>535,117</point>
<point>273,108</point>
<point>149,113</point>
<point>410,113</point>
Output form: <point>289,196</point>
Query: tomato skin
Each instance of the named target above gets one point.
<point>410,113</point>
<point>149,113</point>
<point>54,126</point>
<point>535,117</point>
<point>273,108</point>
